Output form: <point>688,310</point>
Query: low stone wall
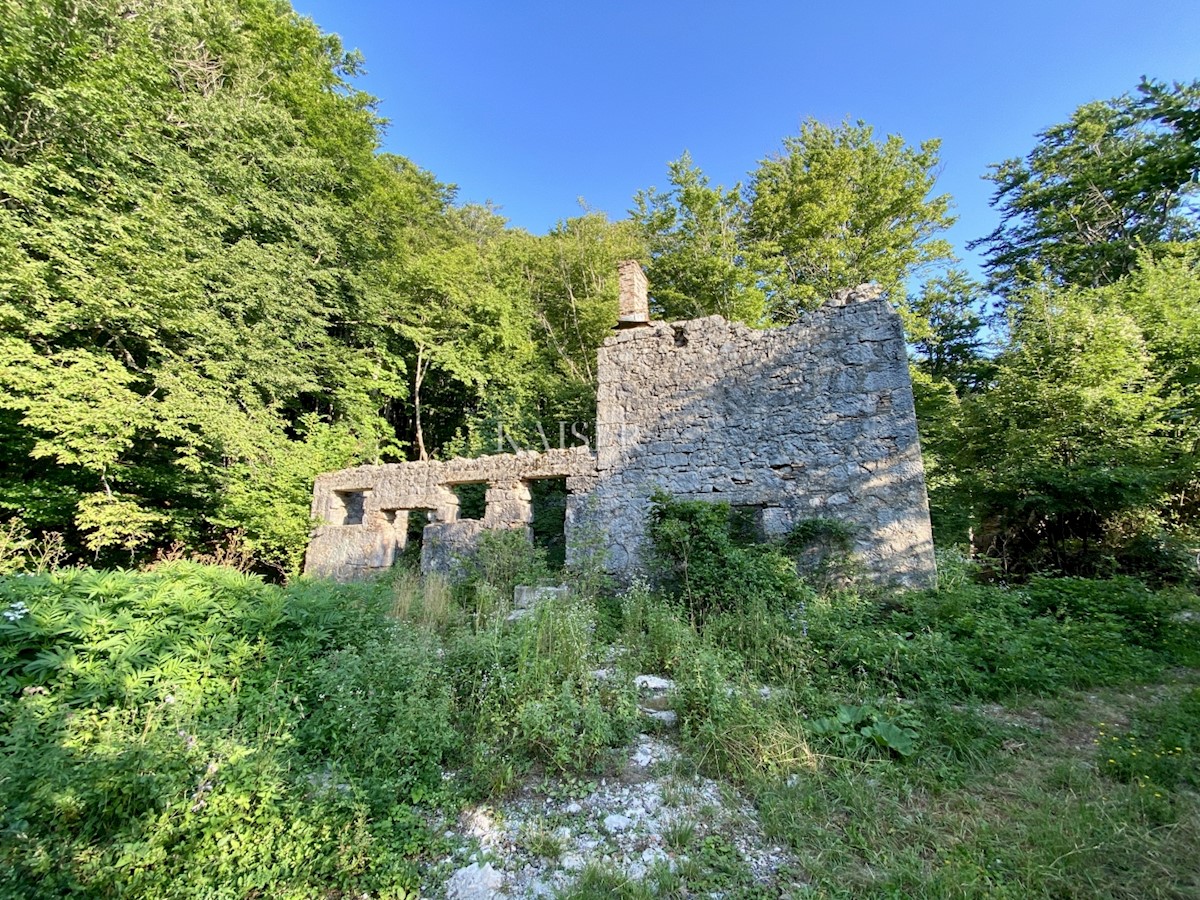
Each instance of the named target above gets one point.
<point>366,509</point>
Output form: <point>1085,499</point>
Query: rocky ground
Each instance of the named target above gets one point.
<point>655,821</point>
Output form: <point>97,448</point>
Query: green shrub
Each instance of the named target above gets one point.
<point>193,732</point>
<point>1124,603</point>
<point>504,558</point>
<point>726,724</point>
<point>527,694</point>
<point>821,548</point>
<point>697,558</point>
<point>125,637</point>
<point>655,630</point>
<point>380,710</point>
<point>990,642</point>
<point>772,643</point>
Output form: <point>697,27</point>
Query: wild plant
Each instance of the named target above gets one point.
<point>654,628</point>
<point>424,600</point>
<point>156,715</point>
<point>22,551</point>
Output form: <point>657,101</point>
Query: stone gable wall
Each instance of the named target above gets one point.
<point>813,420</point>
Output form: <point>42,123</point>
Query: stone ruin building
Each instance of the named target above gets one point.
<point>814,420</point>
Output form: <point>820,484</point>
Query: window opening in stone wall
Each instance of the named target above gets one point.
<point>348,507</point>
<point>472,499</point>
<point>548,497</point>
<point>746,524</point>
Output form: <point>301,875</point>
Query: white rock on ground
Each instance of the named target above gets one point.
<point>616,822</point>
<point>475,882</point>
<point>619,823</point>
<point>654,684</point>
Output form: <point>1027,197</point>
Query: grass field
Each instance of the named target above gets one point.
<point>189,731</point>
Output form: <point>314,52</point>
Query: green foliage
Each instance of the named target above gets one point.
<point>1074,449</point>
<point>989,642</point>
<point>529,695</point>
<point>559,290</point>
<point>944,326</point>
<point>837,208</point>
<point>157,716</point>
<point>181,252</point>
<point>1160,751</point>
<point>655,629</point>
<point>301,731</point>
<point>380,709</point>
<point>699,560</point>
<point>548,525</point>
<point>1097,190</point>
<point>1070,436</point>
<point>855,729</point>
<point>21,551</point>
<point>503,558</point>
<point>726,725</point>
<point>700,262</point>
<point>104,637</point>
<point>596,882</point>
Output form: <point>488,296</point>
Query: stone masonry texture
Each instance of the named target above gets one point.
<point>815,420</point>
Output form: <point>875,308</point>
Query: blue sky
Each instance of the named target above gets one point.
<point>536,105</point>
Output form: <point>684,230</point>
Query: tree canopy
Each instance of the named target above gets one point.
<point>1114,180</point>
<point>835,209</point>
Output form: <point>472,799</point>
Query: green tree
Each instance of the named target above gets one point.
<point>699,262</point>
<point>466,335</point>
<point>1115,179</point>
<point>565,284</point>
<point>838,208</point>
<point>182,268</point>
<point>1163,297</point>
<point>944,324</point>
<point>1070,437</point>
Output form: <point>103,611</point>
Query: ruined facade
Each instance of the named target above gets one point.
<point>812,420</point>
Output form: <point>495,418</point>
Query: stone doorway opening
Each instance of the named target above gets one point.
<point>548,523</point>
<point>412,522</point>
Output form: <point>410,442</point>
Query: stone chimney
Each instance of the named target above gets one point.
<point>634,309</point>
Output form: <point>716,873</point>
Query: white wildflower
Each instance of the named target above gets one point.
<point>16,611</point>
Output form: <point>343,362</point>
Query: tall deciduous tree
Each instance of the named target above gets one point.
<point>181,268</point>
<point>700,262</point>
<point>1071,435</point>
<point>837,208</point>
<point>944,323</point>
<point>1118,177</point>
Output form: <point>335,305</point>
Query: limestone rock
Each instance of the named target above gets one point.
<point>475,882</point>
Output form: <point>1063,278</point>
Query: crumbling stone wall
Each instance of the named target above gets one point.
<point>389,495</point>
<point>813,420</point>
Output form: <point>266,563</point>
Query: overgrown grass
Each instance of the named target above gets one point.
<point>193,732</point>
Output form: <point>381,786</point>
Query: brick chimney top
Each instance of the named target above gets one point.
<point>634,309</point>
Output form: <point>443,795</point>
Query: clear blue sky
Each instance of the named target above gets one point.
<point>536,105</point>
